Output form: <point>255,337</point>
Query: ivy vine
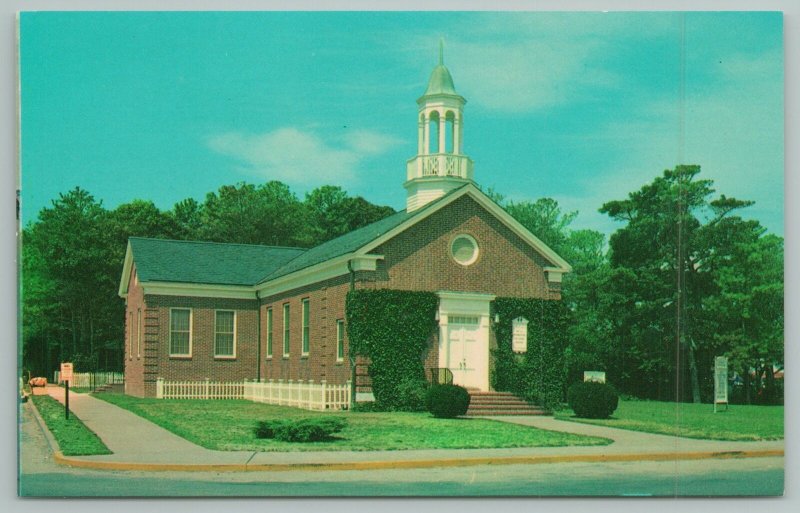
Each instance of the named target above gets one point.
<point>392,329</point>
<point>537,375</point>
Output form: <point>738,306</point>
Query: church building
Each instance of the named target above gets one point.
<point>229,312</point>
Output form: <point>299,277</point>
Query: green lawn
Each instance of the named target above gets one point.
<point>739,422</point>
<point>73,437</point>
<point>228,425</point>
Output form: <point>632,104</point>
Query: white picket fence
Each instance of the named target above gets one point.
<point>85,379</point>
<point>199,389</point>
<point>300,394</point>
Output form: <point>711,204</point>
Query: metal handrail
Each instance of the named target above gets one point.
<point>441,376</point>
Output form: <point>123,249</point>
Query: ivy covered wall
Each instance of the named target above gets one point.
<point>392,329</point>
<point>536,375</point>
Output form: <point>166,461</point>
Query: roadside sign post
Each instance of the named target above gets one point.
<point>720,382</point>
<point>66,377</point>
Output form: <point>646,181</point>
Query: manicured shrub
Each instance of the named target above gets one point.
<point>447,401</point>
<point>411,395</point>
<point>366,407</point>
<point>315,429</point>
<point>592,400</point>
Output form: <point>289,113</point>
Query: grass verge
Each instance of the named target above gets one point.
<point>738,423</point>
<point>73,437</point>
<point>228,425</point>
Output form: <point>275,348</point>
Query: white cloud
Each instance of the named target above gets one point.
<point>523,63</point>
<point>733,129</point>
<point>301,156</point>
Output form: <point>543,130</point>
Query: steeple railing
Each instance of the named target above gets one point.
<point>440,165</point>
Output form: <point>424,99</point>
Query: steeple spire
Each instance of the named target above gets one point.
<point>440,164</point>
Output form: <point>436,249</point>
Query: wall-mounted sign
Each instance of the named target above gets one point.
<point>519,337</point>
<point>66,372</point>
<point>597,376</point>
<point>720,381</point>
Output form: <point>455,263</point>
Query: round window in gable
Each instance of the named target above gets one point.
<point>464,249</point>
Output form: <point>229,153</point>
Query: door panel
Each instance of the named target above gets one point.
<point>465,349</point>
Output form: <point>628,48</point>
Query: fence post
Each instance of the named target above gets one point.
<point>205,395</point>
<point>349,400</point>
<point>159,388</point>
<point>324,404</point>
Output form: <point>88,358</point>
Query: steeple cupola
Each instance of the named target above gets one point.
<point>439,166</point>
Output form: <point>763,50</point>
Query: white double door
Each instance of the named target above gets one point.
<point>467,351</point>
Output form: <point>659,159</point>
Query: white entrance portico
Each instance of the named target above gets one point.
<point>464,337</point>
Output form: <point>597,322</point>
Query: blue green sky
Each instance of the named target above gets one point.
<point>580,107</point>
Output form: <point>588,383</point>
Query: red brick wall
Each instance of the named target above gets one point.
<point>419,258</point>
<point>134,351</point>
<point>202,364</point>
<point>327,305</point>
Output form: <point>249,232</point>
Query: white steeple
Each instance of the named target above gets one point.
<point>439,165</point>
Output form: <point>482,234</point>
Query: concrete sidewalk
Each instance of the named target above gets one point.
<point>138,444</point>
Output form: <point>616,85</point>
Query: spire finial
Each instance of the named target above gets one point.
<point>441,51</point>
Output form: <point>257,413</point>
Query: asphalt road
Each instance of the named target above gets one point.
<point>636,479</point>
<point>40,476</point>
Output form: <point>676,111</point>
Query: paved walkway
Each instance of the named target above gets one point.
<point>139,443</point>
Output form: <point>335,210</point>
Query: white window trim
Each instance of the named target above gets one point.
<point>130,335</point>
<point>235,321</point>
<point>191,333</point>
<point>139,333</point>
<point>339,331</point>
<point>475,254</point>
<point>286,341</point>
<point>305,306</point>
<point>270,348</point>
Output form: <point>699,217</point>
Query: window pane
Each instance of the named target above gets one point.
<point>305,326</point>
<point>225,322</point>
<point>340,339</point>
<point>180,320</point>
<point>179,343</point>
<point>269,332</point>
<point>224,344</point>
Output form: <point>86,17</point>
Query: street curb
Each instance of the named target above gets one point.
<point>410,464</point>
<point>51,440</point>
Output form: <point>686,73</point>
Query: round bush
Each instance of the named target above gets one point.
<point>410,395</point>
<point>592,400</point>
<point>447,401</point>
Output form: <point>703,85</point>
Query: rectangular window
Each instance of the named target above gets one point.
<point>286,329</point>
<point>306,342</point>
<point>180,332</point>
<point>269,332</point>
<point>340,340</point>
<point>130,336</point>
<point>225,334</point>
<point>139,333</point>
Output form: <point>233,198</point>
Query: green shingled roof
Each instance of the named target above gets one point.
<point>339,246</point>
<point>244,264</point>
<point>351,241</point>
<point>206,262</point>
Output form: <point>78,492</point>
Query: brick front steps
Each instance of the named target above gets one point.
<point>499,403</point>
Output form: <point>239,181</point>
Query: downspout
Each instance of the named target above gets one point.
<point>258,338</point>
<point>350,353</point>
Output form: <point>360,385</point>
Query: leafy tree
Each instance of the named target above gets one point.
<point>675,237</point>
<point>268,214</point>
<point>333,213</point>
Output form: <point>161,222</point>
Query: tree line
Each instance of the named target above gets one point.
<point>684,279</point>
<point>72,257</point>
